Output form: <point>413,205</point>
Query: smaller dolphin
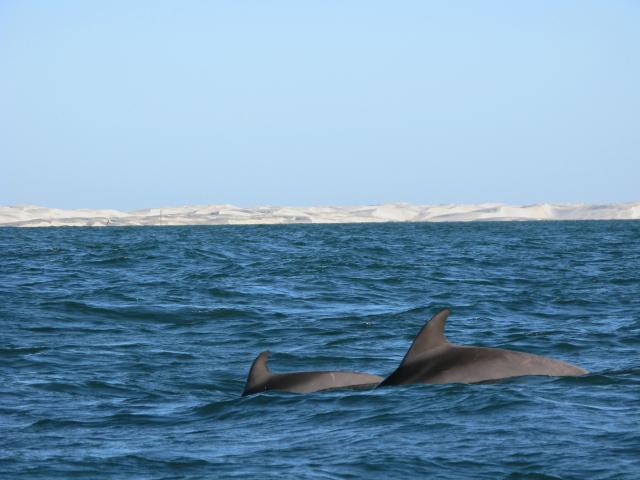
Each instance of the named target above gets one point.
<point>261,378</point>
<point>432,359</point>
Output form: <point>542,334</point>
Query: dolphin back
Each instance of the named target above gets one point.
<point>432,359</point>
<point>261,379</point>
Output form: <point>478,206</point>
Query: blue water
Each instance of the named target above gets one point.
<point>123,351</point>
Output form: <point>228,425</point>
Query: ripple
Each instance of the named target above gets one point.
<point>19,351</point>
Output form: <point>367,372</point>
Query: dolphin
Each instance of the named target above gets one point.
<point>261,378</point>
<point>432,359</point>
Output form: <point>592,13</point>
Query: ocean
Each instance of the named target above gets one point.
<point>124,350</point>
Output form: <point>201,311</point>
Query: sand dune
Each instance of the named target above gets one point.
<point>35,216</point>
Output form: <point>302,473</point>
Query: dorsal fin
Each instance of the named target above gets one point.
<point>431,336</point>
<point>259,373</point>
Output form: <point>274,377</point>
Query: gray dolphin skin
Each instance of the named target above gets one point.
<point>432,359</point>
<point>261,379</point>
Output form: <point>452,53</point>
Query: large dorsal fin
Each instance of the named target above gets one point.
<point>431,336</point>
<point>259,372</point>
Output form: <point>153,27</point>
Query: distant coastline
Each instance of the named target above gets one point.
<point>36,216</point>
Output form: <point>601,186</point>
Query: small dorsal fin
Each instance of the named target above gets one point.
<point>259,372</point>
<point>431,336</point>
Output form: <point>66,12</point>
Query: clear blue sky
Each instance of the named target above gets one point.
<point>136,104</point>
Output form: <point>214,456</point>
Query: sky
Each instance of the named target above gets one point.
<point>140,104</point>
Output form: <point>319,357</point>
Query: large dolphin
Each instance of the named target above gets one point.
<point>432,359</point>
<point>261,378</point>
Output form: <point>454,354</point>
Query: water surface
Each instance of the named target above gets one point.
<point>123,351</point>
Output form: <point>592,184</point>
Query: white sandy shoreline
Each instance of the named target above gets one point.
<point>35,216</point>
